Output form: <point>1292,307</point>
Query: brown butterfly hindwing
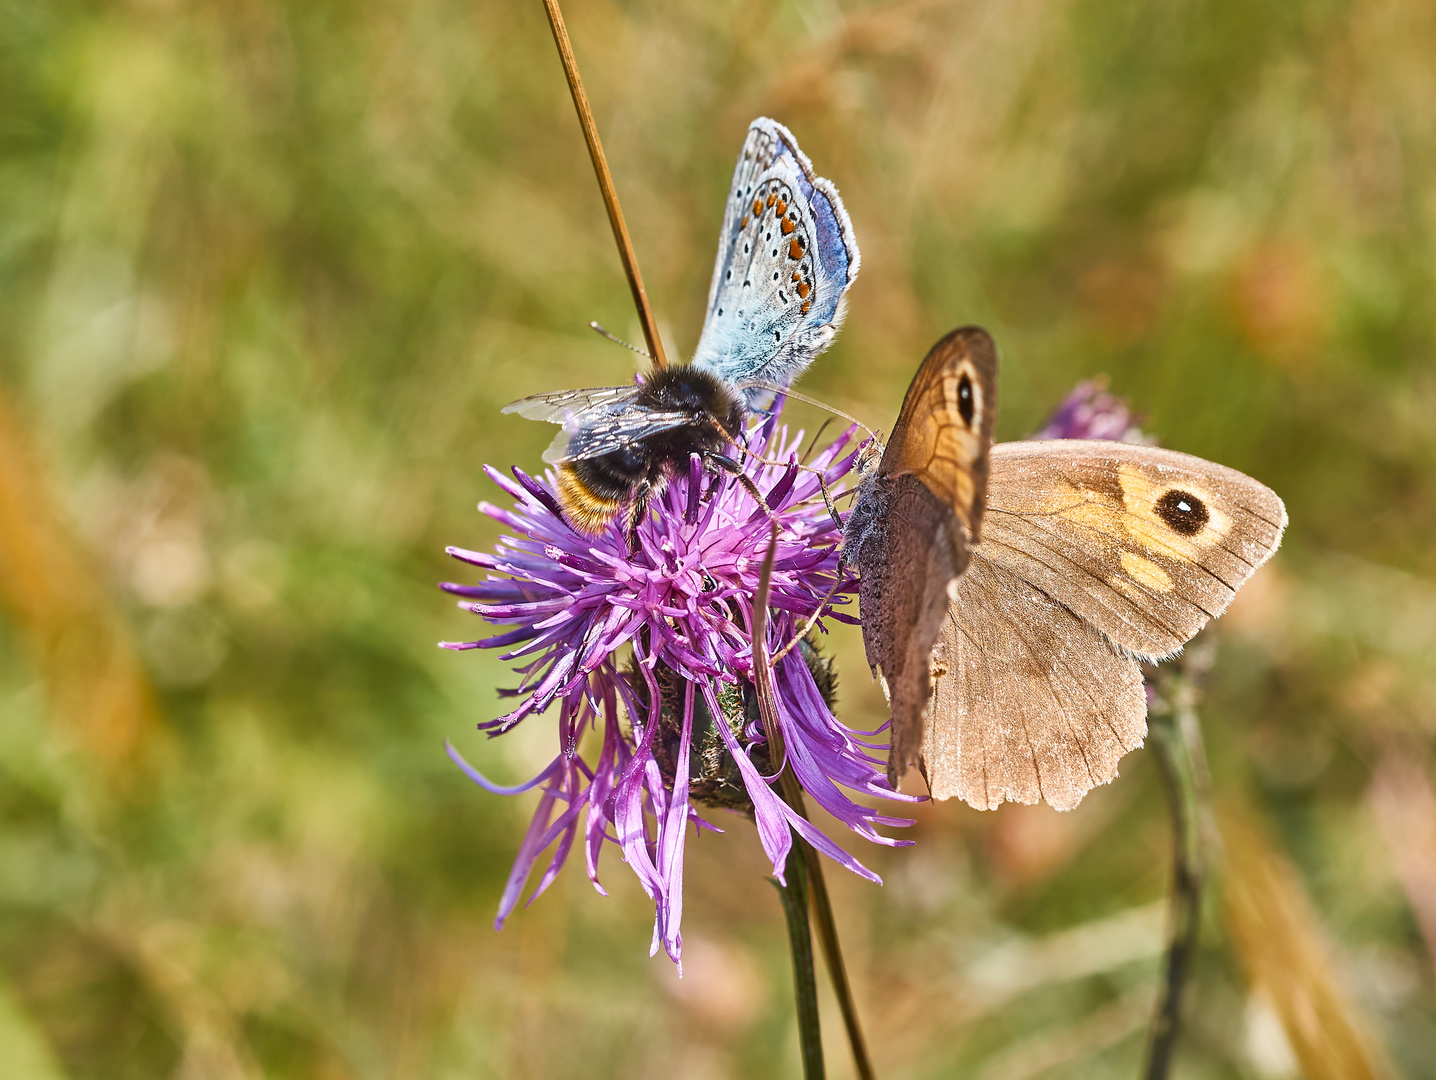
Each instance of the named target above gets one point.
<point>1029,701</point>
<point>915,518</point>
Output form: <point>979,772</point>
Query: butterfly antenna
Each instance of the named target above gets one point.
<point>788,391</point>
<point>596,328</point>
<point>814,444</point>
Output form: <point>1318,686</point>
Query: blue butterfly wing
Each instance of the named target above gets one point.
<point>786,258</point>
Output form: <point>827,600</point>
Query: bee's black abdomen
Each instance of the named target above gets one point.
<point>612,476</point>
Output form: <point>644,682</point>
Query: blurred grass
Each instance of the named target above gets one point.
<point>267,271</point>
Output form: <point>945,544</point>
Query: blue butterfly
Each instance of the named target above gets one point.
<point>786,259</point>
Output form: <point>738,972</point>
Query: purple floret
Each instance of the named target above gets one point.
<point>1090,412</point>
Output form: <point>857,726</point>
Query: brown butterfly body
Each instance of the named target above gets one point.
<point>1093,557</point>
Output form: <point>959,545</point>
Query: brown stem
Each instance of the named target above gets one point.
<point>605,184</point>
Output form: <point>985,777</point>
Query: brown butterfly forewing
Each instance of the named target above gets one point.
<point>917,514</point>
<point>1097,555</point>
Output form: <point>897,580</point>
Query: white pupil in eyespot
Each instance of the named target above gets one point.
<point>1184,506</point>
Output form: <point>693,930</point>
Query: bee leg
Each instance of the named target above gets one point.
<point>635,516</point>
<point>731,467</point>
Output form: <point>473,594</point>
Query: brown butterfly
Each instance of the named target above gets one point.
<point>1095,556</point>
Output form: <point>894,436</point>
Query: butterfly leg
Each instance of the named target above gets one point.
<point>812,619</point>
<point>822,482</point>
<point>828,502</point>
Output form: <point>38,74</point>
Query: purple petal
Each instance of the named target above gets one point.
<point>768,809</point>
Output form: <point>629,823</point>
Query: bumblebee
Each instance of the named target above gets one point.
<point>620,445</point>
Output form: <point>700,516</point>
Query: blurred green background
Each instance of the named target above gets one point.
<point>269,269</point>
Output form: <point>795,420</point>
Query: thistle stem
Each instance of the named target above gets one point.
<point>792,793</point>
<point>1177,739</point>
<point>605,184</point>
<point>805,985</point>
<point>828,935</point>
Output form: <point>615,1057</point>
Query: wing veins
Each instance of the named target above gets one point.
<point>1116,592</point>
<point>1026,732</point>
<point>1057,699</point>
<point>1035,514</point>
<point>1106,643</point>
<point>987,666</point>
<point>1192,562</point>
<point>1095,704</point>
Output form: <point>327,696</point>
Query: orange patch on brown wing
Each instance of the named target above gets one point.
<point>788,226</point>
<point>806,305</point>
<point>804,289</point>
<point>757,207</point>
<point>772,199</point>
<point>782,208</point>
<point>795,249</point>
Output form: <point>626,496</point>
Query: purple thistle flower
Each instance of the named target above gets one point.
<point>683,603</point>
<point>1090,412</point>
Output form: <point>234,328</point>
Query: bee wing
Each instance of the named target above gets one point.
<point>604,429</point>
<point>559,406</point>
